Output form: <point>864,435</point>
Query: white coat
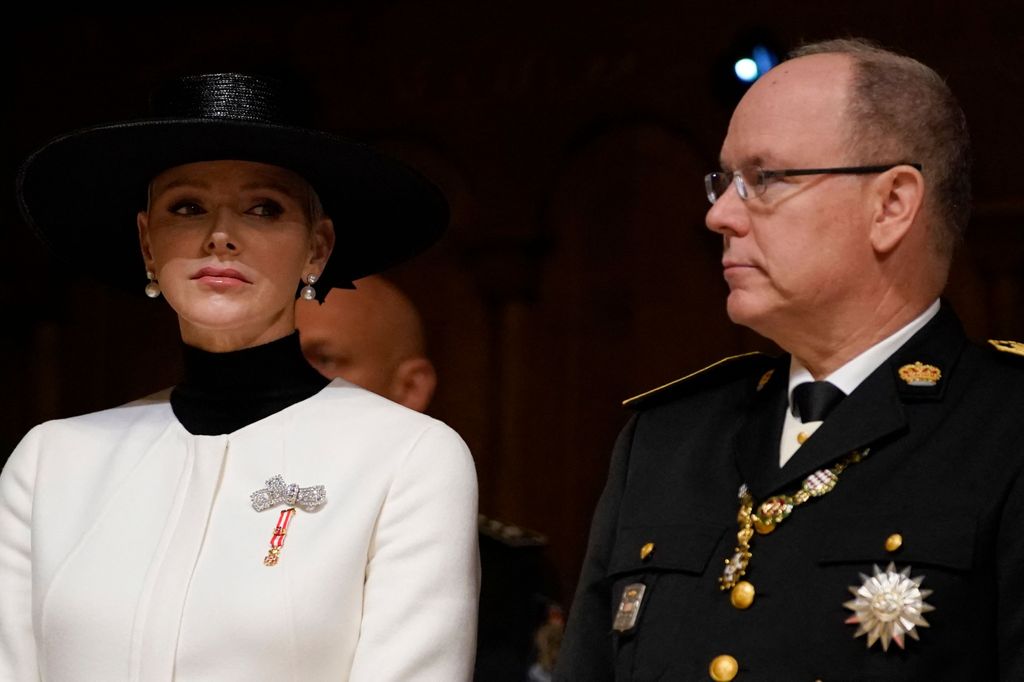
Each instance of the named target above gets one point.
<point>129,549</point>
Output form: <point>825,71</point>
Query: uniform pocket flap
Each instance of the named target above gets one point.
<point>939,541</point>
<point>667,547</point>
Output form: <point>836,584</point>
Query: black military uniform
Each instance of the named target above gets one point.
<point>941,491</point>
<point>517,587</point>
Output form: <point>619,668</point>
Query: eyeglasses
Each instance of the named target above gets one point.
<point>753,181</point>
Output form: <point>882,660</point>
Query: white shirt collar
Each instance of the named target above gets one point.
<point>850,375</point>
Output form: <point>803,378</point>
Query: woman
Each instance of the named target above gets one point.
<point>255,522</point>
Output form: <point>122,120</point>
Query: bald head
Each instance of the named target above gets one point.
<point>371,336</point>
<point>899,108</point>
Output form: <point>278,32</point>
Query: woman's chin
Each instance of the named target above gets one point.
<point>221,321</point>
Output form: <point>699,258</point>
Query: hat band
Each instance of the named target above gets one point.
<point>224,95</point>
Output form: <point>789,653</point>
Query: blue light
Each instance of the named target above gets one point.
<point>764,58</point>
<point>746,70</point>
<point>760,61</point>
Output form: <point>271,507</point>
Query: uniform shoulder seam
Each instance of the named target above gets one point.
<point>732,362</point>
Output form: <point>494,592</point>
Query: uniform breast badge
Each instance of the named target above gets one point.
<point>278,492</point>
<point>629,607</point>
<point>888,606</point>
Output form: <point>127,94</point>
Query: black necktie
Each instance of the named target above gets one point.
<point>813,400</point>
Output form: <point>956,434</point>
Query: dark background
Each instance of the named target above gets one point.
<point>570,138</point>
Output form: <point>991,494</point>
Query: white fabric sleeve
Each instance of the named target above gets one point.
<point>423,570</point>
<point>18,661</point>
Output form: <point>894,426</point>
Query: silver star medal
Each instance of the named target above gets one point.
<point>888,605</point>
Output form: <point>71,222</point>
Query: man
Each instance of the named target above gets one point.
<point>747,532</point>
<point>373,336</point>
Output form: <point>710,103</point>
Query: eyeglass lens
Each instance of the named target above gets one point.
<point>716,184</point>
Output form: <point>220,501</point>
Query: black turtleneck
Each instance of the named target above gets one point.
<point>222,392</point>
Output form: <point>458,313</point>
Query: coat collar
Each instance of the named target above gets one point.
<point>873,413</point>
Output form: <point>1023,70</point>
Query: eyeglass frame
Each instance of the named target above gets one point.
<point>764,175</point>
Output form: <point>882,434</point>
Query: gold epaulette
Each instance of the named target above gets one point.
<point>509,533</point>
<point>1015,347</point>
<point>722,370</point>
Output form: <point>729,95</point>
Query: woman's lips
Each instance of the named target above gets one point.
<point>221,277</point>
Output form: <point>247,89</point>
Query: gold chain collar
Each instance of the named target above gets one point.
<point>769,514</point>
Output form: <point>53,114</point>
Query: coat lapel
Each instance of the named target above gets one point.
<point>870,416</point>
<point>871,413</point>
<point>757,442</point>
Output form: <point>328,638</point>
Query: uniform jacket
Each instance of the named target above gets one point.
<point>130,549</point>
<point>945,471</point>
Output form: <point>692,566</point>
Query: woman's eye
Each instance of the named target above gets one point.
<point>186,208</point>
<point>267,209</point>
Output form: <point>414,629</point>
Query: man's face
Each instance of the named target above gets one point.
<point>791,254</point>
<point>348,337</point>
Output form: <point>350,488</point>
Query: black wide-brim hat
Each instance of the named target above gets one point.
<point>81,191</point>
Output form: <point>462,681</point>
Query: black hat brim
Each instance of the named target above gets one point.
<point>81,192</point>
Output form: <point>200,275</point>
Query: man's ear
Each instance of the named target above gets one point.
<point>899,197</point>
<point>414,382</point>
<point>142,222</point>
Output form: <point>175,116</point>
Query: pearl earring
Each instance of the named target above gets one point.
<point>308,292</point>
<point>153,288</point>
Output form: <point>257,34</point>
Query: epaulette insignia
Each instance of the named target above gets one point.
<point>765,378</point>
<point>1015,347</point>
<point>510,534</point>
<point>920,374</point>
<point>738,363</point>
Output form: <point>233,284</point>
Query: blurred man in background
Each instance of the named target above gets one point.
<point>373,336</point>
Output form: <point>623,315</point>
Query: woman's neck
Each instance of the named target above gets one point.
<point>223,392</point>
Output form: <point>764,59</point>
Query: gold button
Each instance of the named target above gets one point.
<point>763,528</point>
<point>742,595</point>
<point>723,668</point>
<point>646,551</point>
<point>802,437</point>
<point>893,542</point>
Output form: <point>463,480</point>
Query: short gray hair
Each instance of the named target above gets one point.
<point>902,110</point>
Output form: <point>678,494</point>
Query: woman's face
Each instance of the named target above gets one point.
<point>229,242</point>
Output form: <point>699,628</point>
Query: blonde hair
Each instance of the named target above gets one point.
<point>312,205</point>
